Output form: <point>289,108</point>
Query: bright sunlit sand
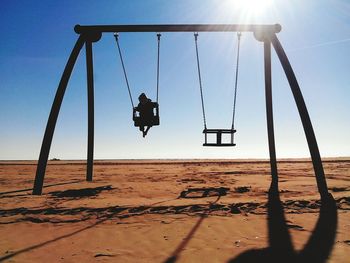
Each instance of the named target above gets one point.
<point>154,211</point>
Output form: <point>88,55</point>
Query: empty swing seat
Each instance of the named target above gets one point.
<point>149,121</point>
<point>219,133</point>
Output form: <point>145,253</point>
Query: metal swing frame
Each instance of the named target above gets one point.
<point>264,33</point>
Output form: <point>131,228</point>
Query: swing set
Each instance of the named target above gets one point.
<point>262,33</point>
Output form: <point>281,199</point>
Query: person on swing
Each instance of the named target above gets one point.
<point>145,108</point>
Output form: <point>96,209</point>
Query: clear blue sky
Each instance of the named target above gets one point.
<point>38,36</point>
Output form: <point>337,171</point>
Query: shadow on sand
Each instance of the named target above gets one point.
<point>203,192</point>
<point>49,185</point>
<point>318,247</point>
<point>81,193</point>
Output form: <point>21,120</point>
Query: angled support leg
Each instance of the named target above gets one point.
<point>51,123</point>
<point>90,92</point>
<point>304,116</point>
<point>269,115</point>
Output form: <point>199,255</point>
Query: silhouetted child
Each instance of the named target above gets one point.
<point>145,108</point>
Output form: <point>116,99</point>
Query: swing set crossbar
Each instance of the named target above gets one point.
<point>275,28</point>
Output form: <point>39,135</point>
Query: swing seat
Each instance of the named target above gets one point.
<point>219,133</point>
<point>152,121</point>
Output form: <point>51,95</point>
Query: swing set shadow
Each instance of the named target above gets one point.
<point>205,193</point>
<point>317,249</point>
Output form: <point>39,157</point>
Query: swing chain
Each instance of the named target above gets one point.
<point>116,35</point>
<point>239,34</point>
<point>200,80</point>
<point>158,59</point>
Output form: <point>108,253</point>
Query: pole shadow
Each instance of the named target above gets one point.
<point>317,249</point>
<point>176,254</point>
<point>39,245</point>
<point>49,185</point>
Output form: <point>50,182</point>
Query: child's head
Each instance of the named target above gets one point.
<point>142,98</point>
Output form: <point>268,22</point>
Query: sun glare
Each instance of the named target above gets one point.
<point>250,9</point>
<point>253,6</point>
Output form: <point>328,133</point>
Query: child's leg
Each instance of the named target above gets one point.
<point>147,129</point>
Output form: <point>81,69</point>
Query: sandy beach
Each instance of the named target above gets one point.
<point>174,211</point>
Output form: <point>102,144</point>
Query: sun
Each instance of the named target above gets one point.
<point>252,7</point>
<point>249,9</point>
